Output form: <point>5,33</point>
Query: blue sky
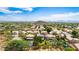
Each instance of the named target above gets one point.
<point>54,14</point>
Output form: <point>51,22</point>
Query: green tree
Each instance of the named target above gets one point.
<point>22,35</point>
<point>45,44</point>
<point>74,34</point>
<point>37,40</point>
<point>48,29</point>
<point>44,26</point>
<point>60,42</point>
<point>16,45</point>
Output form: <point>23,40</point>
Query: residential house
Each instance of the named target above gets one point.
<point>30,36</point>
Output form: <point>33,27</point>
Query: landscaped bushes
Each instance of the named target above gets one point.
<point>69,49</point>
<point>16,45</point>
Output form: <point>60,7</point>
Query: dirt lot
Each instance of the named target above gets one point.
<point>2,42</point>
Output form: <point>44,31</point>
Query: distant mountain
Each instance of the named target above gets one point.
<point>40,22</point>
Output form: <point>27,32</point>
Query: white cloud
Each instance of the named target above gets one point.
<point>64,17</point>
<point>12,18</point>
<point>28,8</point>
<point>5,10</point>
<point>16,12</point>
<point>67,17</point>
